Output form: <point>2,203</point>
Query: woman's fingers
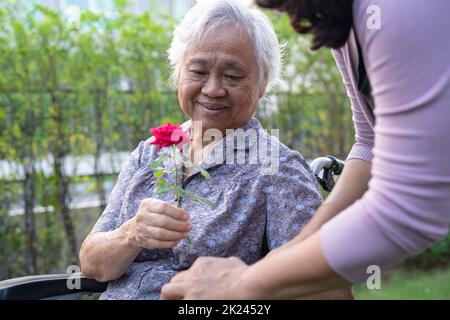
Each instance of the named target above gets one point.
<point>162,234</point>
<point>166,222</point>
<point>158,213</point>
<point>162,214</point>
<point>160,224</point>
<point>163,207</point>
<point>150,243</point>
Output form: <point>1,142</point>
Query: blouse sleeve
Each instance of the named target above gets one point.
<point>108,219</point>
<point>292,197</point>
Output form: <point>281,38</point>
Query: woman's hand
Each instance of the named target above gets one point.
<point>208,278</point>
<point>157,225</point>
<point>287,274</point>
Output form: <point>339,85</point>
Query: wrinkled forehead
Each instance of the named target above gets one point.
<point>224,27</point>
<point>203,61</point>
<point>225,34</point>
<point>229,43</point>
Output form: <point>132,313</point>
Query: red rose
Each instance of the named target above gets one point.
<point>169,135</point>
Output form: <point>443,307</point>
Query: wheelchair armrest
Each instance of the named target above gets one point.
<point>48,287</point>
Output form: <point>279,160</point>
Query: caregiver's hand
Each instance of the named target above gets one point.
<point>195,283</point>
<point>157,225</point>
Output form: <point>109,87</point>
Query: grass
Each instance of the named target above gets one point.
<point>409,285</point>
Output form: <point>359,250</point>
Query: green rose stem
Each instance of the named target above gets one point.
<point>164,138</point>
<point>177,195</point>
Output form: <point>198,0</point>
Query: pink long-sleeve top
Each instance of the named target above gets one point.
<point>405,135</point>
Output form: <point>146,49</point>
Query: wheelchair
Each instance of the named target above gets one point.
<point>59,286</point>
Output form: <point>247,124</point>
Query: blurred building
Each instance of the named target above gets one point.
<point>175,8</point>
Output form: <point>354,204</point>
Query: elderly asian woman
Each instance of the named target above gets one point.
<point>224,56</point>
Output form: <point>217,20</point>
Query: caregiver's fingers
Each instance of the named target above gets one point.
<point>180,277</point>
<point>173,291</point>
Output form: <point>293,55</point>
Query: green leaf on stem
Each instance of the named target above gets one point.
<point>205,201</point>
<point>205,173</point>
<point>162,189</point>
<point>188,164</point>
<point>161,155</point>
<point>197,198</point>
<point>158,161</point>
<point>180,191</point>
<point>161,182</point>
<point>159,173</point>
<point>156,164</point>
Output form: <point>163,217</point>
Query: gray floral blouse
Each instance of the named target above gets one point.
<point>253,211</point>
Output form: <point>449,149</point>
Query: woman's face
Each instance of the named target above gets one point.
<point>219,80</point>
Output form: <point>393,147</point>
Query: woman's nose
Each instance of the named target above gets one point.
<point>213,87</point>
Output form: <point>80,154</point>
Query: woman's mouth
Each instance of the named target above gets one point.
<point>213,108</point>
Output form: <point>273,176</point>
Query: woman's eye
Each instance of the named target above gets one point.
<point>198,73</point>
<point>232,77</point>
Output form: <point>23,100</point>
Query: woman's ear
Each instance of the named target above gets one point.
<point>262,89</point>
<point>176,80</point>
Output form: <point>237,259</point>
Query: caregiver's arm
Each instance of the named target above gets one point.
<point>296,272</point>
<point>407,207</point>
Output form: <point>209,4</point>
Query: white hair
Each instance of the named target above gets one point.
<point>209,14</point>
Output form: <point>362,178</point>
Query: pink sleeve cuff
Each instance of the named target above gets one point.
<point>361,151</point>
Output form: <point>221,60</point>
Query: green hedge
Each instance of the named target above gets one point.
<point>437,255</point>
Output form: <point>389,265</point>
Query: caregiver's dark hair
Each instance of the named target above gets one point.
<point>329,21</point>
